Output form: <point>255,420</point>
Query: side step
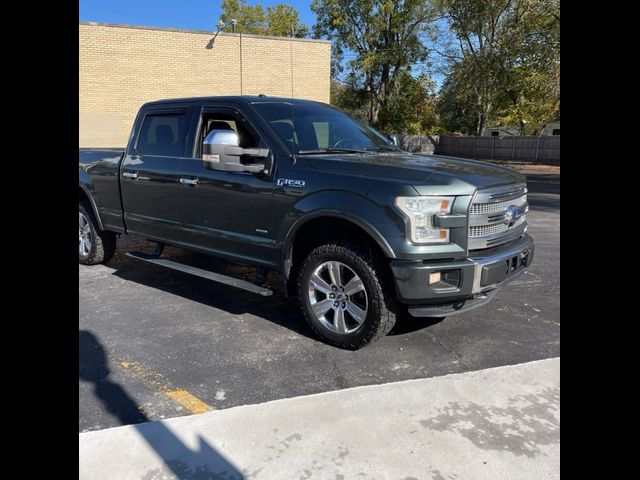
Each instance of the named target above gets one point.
<point>216,277</point>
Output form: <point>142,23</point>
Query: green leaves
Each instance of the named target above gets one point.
<point>279,20</point>
<point>378,42</point>
<point>283,21</point>
<point>506,71</point>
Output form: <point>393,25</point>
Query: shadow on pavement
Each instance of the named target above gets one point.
<point>277,308</point>
<point>204,463</point>
<point>94,369</point>
<point>406,324</point>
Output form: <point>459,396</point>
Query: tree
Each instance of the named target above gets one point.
<point>504,60</point>
<point>279,20</point>
<point>251,19</point>
<point>412,108</point>
<point>351,101</point>
<point>455,107</point>
<point>382,39</point>
<point>283,21</point>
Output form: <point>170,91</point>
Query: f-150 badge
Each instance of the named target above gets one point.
<point>287,182</point>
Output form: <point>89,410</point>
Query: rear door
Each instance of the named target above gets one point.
<point>150,171</point>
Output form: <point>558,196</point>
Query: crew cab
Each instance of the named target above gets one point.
<point>359,230</point>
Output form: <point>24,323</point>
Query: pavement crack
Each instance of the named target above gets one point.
<point>339,375</point>
<point>451,351</point>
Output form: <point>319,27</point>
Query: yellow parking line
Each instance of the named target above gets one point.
<point>156,381</point>
<point>188,401</point>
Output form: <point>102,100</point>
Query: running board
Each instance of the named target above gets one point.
<point>216,277</point>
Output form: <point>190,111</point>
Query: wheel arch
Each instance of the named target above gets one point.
<point>85,194</point>
<point>319,227</point>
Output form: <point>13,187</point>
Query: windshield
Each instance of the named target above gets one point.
<point>308,128</point>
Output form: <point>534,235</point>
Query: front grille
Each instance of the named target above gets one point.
<point>488,219</point>
<point>480,208</point>
<point>484,230</point>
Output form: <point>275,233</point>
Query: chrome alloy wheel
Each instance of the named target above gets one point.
<point>338,298</point>
<point>85,236</point>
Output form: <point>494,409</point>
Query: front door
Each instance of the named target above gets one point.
<point>228,213</point>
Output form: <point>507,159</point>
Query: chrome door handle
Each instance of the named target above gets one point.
<point>130,174</point>
<point>189,181</point>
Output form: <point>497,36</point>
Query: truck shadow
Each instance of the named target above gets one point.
<point>407,324</point>
<point>278,309</point>
<point>204,463</point>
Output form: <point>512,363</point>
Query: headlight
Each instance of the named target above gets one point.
<point>421,212</point>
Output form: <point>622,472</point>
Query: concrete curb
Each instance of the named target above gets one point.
<point>496,423</point>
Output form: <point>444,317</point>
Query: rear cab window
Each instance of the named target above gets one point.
<point>163,134</point>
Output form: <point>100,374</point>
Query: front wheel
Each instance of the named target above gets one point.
<point>343,296</point>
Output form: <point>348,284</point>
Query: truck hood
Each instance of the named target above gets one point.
<point>420,171</point>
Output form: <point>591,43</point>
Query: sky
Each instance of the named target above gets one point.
<point>189,14</point>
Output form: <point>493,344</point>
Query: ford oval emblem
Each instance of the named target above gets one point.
<point>512,214</point>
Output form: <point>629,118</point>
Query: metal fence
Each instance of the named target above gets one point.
<point>544,149</point>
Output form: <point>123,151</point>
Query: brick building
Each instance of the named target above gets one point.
<point>122,67</point>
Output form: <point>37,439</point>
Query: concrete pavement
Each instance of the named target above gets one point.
<point>498,423</point>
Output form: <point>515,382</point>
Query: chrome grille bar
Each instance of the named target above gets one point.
<point>479,208</point>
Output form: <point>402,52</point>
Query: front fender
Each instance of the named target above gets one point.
<point>359,210</point>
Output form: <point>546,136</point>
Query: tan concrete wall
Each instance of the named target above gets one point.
<point>122,67</point>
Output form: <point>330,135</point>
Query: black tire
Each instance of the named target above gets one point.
<point>382,308</point>
<point>103,244</point>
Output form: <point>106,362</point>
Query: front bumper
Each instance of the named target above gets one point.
<point>472,282</point>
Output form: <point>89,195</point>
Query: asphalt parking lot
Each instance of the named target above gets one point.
<point>155,343</point>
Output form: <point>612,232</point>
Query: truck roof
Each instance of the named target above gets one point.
<point>242,98</point>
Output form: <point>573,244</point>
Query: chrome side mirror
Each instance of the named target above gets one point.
<point>221,137</point>
<point>221,151</point>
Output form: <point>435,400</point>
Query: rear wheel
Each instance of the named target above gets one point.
<point>343,296</point>
<point>94,246</point>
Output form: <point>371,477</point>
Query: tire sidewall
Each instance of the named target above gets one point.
<point>90,257</point>
<point>360,267</point>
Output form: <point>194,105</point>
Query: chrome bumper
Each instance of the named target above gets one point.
<point>518,252</point>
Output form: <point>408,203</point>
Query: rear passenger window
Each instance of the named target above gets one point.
<point>163,134</point>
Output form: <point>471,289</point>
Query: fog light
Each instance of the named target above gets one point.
<point>524,258</point>
<point>434,277</point>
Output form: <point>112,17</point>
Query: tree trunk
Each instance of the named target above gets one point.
<point>480,125</point>
<point>374,110</point>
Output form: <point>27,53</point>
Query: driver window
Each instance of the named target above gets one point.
<point>226,142</point>
<point>228,122</point>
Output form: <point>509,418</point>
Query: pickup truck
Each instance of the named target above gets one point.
<point>360,230</point>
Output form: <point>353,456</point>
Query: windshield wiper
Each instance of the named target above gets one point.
<point>331,150</point>
<point>384,148</point>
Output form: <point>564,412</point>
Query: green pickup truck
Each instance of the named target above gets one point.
<point>359,229</point>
